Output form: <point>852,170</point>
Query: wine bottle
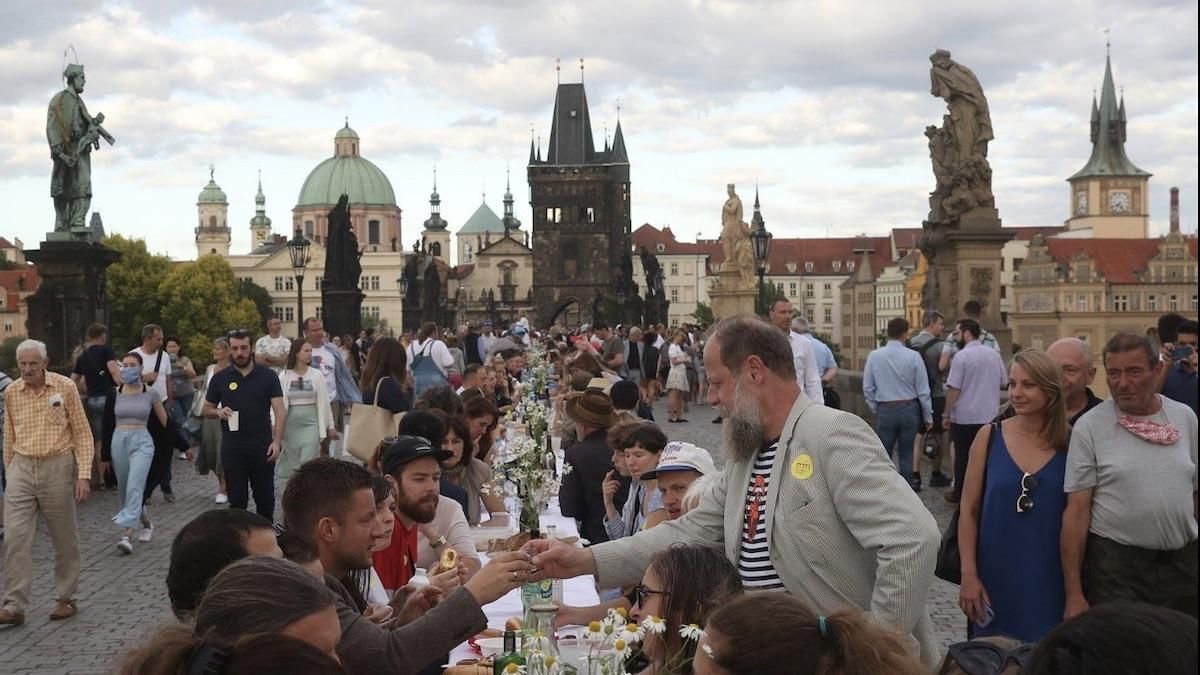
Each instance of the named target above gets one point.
<point>510,655</point>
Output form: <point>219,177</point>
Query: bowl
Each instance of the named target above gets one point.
<point>490,646</point>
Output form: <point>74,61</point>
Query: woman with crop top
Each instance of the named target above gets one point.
<point>132,447</point>
<point>309,416</point>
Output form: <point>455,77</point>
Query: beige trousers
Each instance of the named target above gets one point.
<point>45,484</point>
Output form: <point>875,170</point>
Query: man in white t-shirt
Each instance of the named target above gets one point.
<point>327,358</point>
<point>156,373</point>
<point>272,349</point>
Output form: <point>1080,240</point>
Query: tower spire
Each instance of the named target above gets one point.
<point>1108,131</point>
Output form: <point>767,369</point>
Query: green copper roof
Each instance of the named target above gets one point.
<point>1108,135</point>
<point>346,132</point>
<point>483,220</point>
<point>355,176</point>
<point>212,194</point>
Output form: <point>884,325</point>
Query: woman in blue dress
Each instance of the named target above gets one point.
<point>1012,506</point>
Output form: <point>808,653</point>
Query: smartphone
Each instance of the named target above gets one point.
<point>1181,353</point>
<point>988,615</point>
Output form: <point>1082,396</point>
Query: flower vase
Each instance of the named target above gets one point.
<point>530,515</point>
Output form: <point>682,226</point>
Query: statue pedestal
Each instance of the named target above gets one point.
<point>341,311</point>
<point>968,268</point>
<point>70,297</point>
<point>731,295</point>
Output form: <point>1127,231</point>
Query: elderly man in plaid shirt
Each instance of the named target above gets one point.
<point>48,460</point>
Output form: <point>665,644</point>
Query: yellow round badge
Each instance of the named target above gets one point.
<point>233,386</point>
<point>802,467</point>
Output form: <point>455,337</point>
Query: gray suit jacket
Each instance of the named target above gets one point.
<point>845,529</point>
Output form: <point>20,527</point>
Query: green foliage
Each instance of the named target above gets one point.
<point>8,355</point>
<point>833,347</point>
<point>200,302</point>
<point>770,294</point>
<point>6,264</point>
<point>382,329</point>
<point>703,316</point>
<point>133,290</point>
<point>261,298</point>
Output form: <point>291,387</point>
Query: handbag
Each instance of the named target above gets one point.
<point>198,400</point>
<point>949,558</point>
<point>370,424</point>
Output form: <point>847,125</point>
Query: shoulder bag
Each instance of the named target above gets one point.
<point>949,560</point>
<point>370,424</point>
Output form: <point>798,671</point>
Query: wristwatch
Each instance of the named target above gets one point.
<point>437,543</point>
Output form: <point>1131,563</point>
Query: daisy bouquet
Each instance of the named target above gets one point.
<point>612,644</point>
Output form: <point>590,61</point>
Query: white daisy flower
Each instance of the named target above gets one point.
<point>691,632</point>
<point>654,625</point>
<point>621,648</point>
<point>632,633</point>
<point>595,631</point>
<point>538,642</point>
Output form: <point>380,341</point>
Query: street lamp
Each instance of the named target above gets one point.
<point>298,251</point>
<point>761,239</point>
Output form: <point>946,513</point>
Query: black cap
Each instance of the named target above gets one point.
<point>405,449</point>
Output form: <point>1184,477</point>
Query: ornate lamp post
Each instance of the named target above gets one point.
<point>761,240</point>
<point>298,251</point>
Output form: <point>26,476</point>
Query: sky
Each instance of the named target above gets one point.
<point>823,104</point>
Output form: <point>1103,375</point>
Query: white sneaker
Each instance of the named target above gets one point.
<point>124,546</point>
<point>147,533</point>
<point>221,498</point>
<point>183,456</point>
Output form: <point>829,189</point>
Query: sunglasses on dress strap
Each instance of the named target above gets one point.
<point>1029,483</point>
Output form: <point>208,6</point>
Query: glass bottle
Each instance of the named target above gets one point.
<point>556,585</point>
<point>510,655</point>
<point>539,631</point>
<point>420,578</point>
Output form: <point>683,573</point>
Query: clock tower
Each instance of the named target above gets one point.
<point>1109,195</point>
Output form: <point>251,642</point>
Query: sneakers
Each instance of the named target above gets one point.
<point>168,497</point>
<point>124,546</point>
<point>183,456</point>
<point>221,498</point>
<point>937,479</point>
<point>147,532</point>
<point>718,421</point>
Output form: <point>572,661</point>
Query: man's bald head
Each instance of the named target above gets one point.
<point>1074,356</point>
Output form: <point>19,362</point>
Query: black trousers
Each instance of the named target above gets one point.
<point>246,470</point>
<point>962,435</point>
<point>1113,571</point>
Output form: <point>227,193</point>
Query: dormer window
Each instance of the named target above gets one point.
<point>660,248</point>
<point>837,265</point>
<point>791,267</point>
<point>808,267</point>
<point>850,265</point>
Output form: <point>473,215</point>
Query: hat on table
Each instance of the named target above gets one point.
<point>681,456</point>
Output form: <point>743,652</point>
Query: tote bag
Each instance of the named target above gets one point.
<point>370,424</point>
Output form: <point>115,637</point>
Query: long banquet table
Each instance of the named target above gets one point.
<point>580,591</point>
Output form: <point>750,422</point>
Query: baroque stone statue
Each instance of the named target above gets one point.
<point>342,267</point>
<point>958,149</point>
<point>735,236</point>
<point>72,133</point>
<point>651,267</point>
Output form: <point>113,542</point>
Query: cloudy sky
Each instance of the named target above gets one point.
<point>823,103</point>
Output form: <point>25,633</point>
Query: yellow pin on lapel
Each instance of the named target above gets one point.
<point>233,386</point>
<point>802,467</point>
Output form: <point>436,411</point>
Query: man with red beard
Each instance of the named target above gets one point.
<point>808,502</point>
<point>413,467</point>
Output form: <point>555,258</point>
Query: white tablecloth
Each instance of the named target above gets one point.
<point>578,592</point>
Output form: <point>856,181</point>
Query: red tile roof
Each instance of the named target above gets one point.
<point>16,282</point>
<point>1119,261</point>
<point>5,244</point>
<point>820,252</point>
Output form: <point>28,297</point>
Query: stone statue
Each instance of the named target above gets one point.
<point>431,286</point>
<point>342,267</point>
<point>651,267</point>
<point>958,149</point>
<point>72,134</point>
<point>412,278</point>
<point>735,237</point>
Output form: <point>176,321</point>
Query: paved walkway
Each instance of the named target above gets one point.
<point>121,598</point>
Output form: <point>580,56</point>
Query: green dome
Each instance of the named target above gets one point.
<point>346,132</point>
<point>355,176</point>
<point>212,194</point>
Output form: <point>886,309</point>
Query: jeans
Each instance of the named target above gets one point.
<point>963,435</point>
<point>246,470</point>
<point>132,453</point>
<point>897,424</point>
<point>180,413</point>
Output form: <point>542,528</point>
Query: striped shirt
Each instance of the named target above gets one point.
<point>754,562</point>
<point>47,423</point>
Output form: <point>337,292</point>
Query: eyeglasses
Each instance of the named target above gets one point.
<point>1029,483</point>
<point>238,334</point>
<point>642,594</point>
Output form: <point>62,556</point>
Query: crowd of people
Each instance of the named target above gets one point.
<point>1074,543</point>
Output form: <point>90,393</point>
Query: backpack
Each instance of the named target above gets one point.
<point>931,374</point>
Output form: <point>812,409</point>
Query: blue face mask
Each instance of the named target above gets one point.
<point>131,374</point>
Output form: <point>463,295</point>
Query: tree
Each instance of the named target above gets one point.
<point>260,296</point>
<point>833,347</point>
<point>200,303</point>
<point>382,329</point>
<point>6,264</point>
<point>8,355</point>
<point>770,294</point>
<point>133,290</point>
<point>703,316</point>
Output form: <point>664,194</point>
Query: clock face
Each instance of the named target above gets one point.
<point>1118,202</point>
<point>1081,203</point>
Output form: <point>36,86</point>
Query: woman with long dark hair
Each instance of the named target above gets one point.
<point>1013,500</point>
<point>386,370</point>
<point>309,414</point>
<point>467,471</point>
<point>482,419</point>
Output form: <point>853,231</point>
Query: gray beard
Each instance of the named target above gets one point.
<point>743,427</point>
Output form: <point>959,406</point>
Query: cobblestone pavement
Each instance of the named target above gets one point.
<point>122,598</point>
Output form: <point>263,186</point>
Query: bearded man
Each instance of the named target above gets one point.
<point>808,502</point>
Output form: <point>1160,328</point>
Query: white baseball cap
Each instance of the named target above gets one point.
<point>681,456</point>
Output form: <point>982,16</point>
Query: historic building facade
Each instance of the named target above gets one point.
<point>15,287</point>
<point>580,198</point>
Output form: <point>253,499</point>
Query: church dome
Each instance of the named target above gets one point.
<point>346,172</point>
<point>212,193</point>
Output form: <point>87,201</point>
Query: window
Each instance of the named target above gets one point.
<point>590,214</point>
<point>1173,303</point>
<point>674,295</point>
<point>837,265</point>
<point>808,291</point>
<point>791,289</point>
<point>553,215</point>
<point>808,314</point>
<point>827,291</point>
<point>374,283</point>
<point>279,283</point>
<point>850,265</point>
<point>808,267</point>
<point>1120,303</point>
<point>319,280</point>
<point>8,325</point>
<point>674,269</point>
<point>1193,302</point>
<point>212,221</point>
<point>468,255</point>
<point>289,284</point>
<point>435,249</point>
<point>1152,303</point>
<point>828,314</point>
<point>308,228</point>
<point>373,233</point>
<point>372,312</point>
<point>284,313</point>
<point>779,286</point>
<point>320,311</point>
<point>1081,303</point>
